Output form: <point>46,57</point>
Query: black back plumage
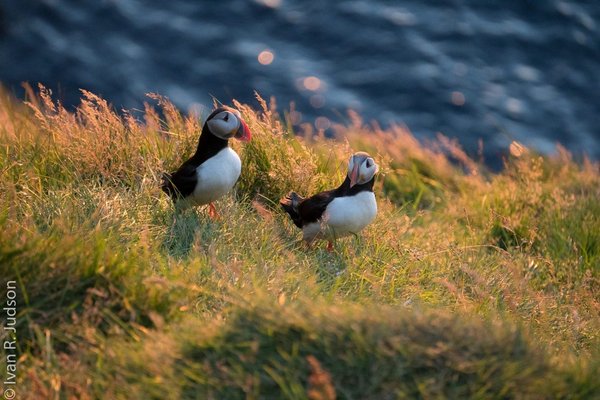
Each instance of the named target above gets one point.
<point>305,211</point>
<point>182,182</point>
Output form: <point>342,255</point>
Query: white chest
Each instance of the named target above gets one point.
<point>217,176</point>
<point>344,216</point>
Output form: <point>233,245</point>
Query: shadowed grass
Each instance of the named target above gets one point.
<point>273,350</point>
<point>121,296</point>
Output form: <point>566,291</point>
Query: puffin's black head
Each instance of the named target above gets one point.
<point>361,168</point>
<point>226,123</point>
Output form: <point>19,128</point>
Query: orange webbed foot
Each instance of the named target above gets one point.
<point>212,212</point>
<point>330,246</point>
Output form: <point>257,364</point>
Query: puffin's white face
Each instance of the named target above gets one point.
<point>227,124</point>
<point>361,168</point>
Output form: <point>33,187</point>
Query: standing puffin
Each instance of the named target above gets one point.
<point>338,212</point>
<point>213,170</point>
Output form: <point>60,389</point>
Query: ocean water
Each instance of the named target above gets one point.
<point>494,71</point>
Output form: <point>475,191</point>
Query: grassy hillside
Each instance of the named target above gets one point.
<point>469,284</point>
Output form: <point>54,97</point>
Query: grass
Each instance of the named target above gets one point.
<point>469,284</point>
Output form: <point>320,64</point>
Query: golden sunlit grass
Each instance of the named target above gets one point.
<point>469,284</point>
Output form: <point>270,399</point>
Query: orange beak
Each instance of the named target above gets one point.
<point>243,132</point>
<point>354,175</point>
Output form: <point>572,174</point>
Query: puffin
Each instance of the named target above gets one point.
<point>338,212</point>
<point>214,168</point>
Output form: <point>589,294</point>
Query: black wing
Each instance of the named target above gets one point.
<point>304,211</point>
<point>182,182</point>
<point>312,208</point>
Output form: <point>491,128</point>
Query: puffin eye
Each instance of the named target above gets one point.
<point>226,117</point>
<point>369,163</point>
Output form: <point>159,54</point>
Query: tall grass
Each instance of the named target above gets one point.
<point>468,284</point>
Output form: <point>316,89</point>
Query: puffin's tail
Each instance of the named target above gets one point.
<point>290,204</point>
<point>168,187</point>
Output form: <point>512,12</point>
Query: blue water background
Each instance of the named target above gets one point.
<point>471,69</point>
